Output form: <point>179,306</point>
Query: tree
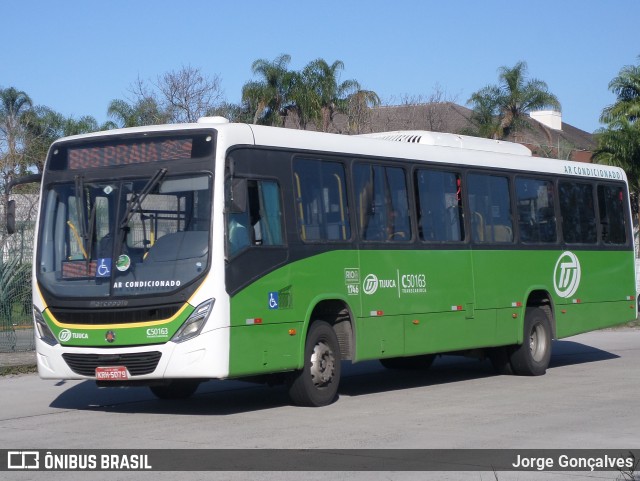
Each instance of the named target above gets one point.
<point>176,96</point>
<point>332,96</point>
<point>234,112</point>
<point>619,141</point>
<point>43,125</point>
<point>27,131</point>
<point>14,105</point>
<point>359,105</point>
<point>314,94</point>
<point>419,112</point>
<point>304,101</point>
<point>144,111</point>
<point>187,94</point>
<point>269,97</point>
<point>509,102</point>
<point>626,86</point>
<point>619,145</point>
<point>485,116</point>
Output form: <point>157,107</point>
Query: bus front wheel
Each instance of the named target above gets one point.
<point>532,357</point>
<point>316,384</point>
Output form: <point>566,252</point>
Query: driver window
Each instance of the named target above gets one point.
<point>260,224</point>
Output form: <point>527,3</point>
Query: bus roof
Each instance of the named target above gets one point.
<point>445,154</point>
<point>412,145</point>
<point>426,137</point>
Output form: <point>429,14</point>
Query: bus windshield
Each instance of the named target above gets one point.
<point>114,238</point>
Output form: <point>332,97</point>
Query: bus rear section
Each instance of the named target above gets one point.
<point>401,259</point>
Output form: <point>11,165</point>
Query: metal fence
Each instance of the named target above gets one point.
<point>16,321</point>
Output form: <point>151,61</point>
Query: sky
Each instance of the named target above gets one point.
<point>75,56</point>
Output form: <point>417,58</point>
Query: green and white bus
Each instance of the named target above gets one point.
<point>169,255</point>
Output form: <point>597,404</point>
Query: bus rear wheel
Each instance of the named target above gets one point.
<point>316,384</point>
<point>176,389</point>
<point>532,357</point>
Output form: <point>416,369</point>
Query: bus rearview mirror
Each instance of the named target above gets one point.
<point>11,217</point>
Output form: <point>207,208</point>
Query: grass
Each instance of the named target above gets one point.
<point>15,370</point>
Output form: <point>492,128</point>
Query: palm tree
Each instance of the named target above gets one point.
<point>145,111</point>
<point>269,96</point>
<point>83,125</point>
<point>359,105</point>
<point>43,125</point>
<point>619,145</point>
<point>332,96</point>
<point>240,113</point>
<point>485,116</point>
<point>619,141</point>
<point>303,100</point>
<point>626,86</point>
<point>14,104</point>
<point>513,98</point>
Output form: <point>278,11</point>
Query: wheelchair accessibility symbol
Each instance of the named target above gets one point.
<point>273,300</point>
<point>104,267</point>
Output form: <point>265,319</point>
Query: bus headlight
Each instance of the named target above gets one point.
<point>42,330</point>
<point>194,324</point>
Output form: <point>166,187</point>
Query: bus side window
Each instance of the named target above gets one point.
<point>382,203</point>
<point>536,215</point>
<point>440,215</point>
<point>578,212</point>
<point>490,208</point>
<point>321,200</point>
<point>612,219</point>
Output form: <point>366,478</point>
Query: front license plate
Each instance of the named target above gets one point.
<point>112,373</point>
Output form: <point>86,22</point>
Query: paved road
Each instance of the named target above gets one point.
<point>588,399</point>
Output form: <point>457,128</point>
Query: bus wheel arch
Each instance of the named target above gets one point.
<point>337,313</point>
<point>542,299</point>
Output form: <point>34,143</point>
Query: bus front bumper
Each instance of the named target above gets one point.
<point>203,357</point>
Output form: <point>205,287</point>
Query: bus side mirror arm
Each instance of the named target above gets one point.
<point>27,179</point>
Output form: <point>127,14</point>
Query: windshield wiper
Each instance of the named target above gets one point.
<point>92,228</point>
<point>80,207</point>
<point>135,204</point>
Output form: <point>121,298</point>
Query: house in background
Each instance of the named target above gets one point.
<point>545,133</point>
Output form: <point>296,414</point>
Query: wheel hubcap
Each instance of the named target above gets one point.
<point>537,343</point>
<point>322,365</point>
